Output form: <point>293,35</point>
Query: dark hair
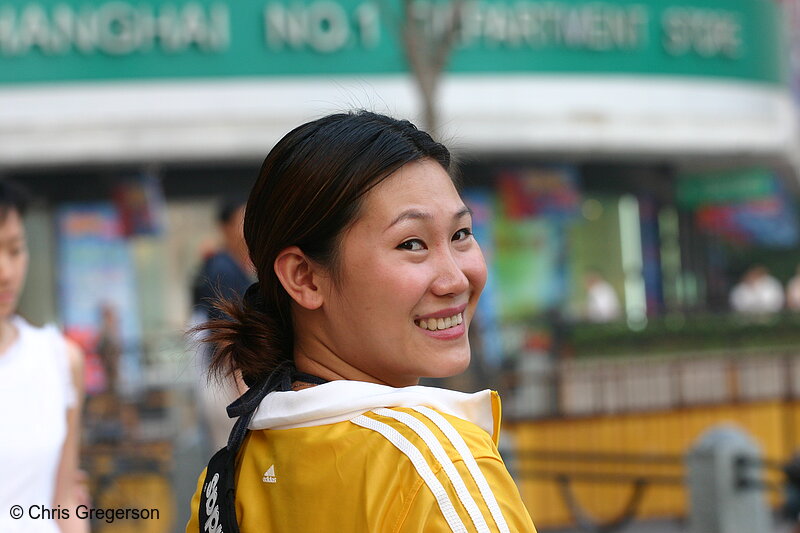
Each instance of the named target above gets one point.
<point>13,197</point>
<point>309,191</point>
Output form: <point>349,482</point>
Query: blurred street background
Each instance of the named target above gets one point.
<point>633,168</point>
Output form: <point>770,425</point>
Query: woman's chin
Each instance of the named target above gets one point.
<point>451,366</point>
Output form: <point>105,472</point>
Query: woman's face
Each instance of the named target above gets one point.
<point>410,276</point>
<point>13,262</point>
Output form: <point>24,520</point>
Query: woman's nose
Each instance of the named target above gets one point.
<point>5,267</point>
<point>450,276</point>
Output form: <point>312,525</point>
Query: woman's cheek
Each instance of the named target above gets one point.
<point>475,270</point>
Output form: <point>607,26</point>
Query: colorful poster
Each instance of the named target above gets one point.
<point>535,206</point>
<point>141,206</point>
<point>770,222</point>
<point>550,192</point>
<point>745,207</point>
<point>96,271</point>
<point>527,267</point>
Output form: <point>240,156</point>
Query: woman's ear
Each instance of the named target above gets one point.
<point>299,276</point>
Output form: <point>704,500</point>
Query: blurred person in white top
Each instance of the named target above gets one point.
<point>758,293</point>
<point>40,400</point>
<point>602,303</point>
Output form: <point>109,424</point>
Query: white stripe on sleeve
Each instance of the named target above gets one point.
<point>472,465</point>
<point>419,462</point>
<point>447,464</point>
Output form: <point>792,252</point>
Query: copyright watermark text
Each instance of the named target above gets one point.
<point>82,512</point>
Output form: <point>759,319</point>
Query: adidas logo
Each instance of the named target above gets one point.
<point>269,475</point>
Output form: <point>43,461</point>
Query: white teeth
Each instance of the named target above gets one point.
<point>434,324</point>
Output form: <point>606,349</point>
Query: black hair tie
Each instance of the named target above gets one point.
<point>252,297</point>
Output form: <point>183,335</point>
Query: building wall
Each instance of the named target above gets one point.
<point>216,81</point>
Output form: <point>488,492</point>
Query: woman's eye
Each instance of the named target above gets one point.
<point>462,234</point>
<point>412,245</point>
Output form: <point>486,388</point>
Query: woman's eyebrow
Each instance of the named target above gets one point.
<point>462,212</point>
<point>416,214</point>
<point>12,240</point>
<point>410,214</point>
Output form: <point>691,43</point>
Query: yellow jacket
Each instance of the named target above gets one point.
<point>360,457</point>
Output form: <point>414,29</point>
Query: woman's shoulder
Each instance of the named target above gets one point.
<point>49,341</point>
<point>453,466</point>
<point>388,420</point>
<point>45,340</point>
<point>436,435</point>
<point>48,330</point>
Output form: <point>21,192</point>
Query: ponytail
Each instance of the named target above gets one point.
<point>253,337</point>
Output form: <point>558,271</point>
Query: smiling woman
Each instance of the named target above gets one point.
<point>368,278</point>
<point>410,257</point>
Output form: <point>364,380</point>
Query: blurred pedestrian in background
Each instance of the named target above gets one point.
<point>368,278</point>
<point>602,303</point>
<point>109,346</point>
<point>758,293</point>
<point>225,274</point>
<point>41,394</point>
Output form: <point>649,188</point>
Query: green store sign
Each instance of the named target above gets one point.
<point>734,186</point>
<point>58,40</point>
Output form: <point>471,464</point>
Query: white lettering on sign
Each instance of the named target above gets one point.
<point>708,33</point>
<point>597,26</point>
<point>114,28</point>
<point>323,26</point>
<point>125,27</point>
<point>369,24</point>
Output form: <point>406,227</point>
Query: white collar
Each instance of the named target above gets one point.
<point>337,401</point>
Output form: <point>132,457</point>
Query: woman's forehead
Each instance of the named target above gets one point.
<point>11,223</point>
<point>418,190</point>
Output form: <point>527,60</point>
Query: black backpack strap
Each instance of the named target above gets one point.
<point>245,406</point>
<point>217,512</point>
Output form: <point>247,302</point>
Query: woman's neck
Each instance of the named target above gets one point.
<point>324,364</point>
<point>8,335</point>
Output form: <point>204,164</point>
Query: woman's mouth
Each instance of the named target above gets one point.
<point>438,324</point>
